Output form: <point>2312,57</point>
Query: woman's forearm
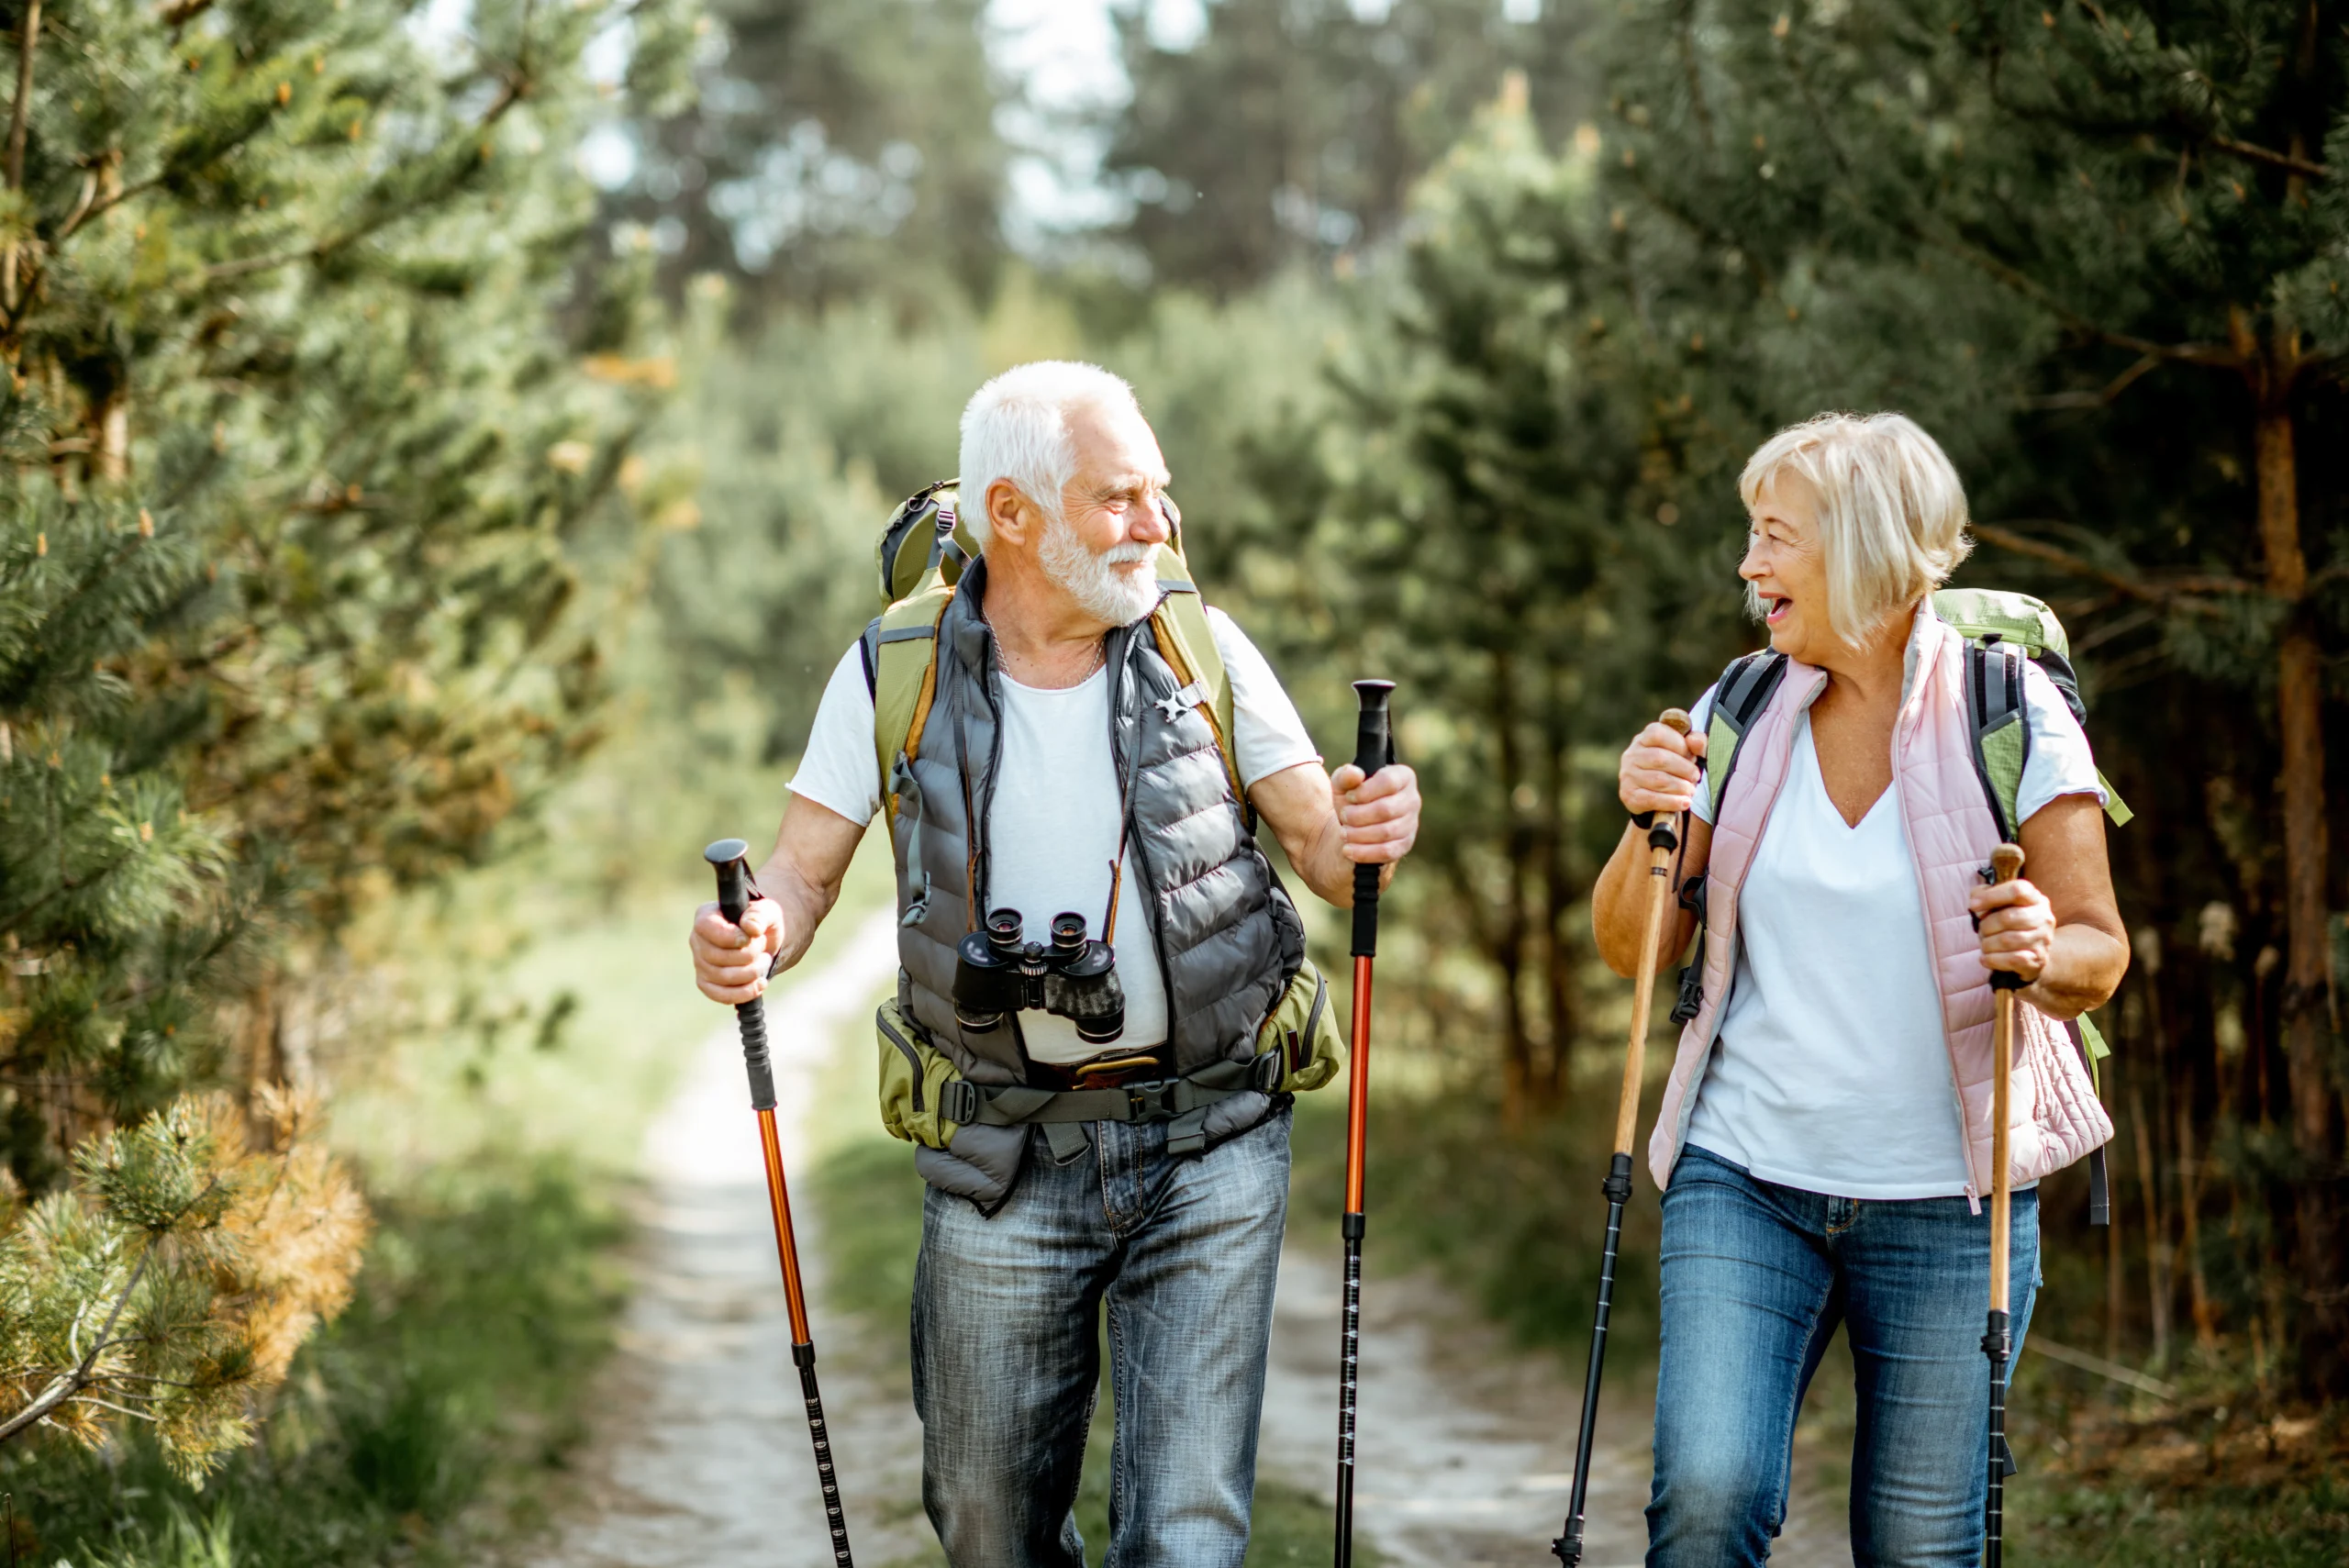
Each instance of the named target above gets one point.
<point>2084,964</point>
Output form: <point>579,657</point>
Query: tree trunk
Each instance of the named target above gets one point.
<point>1508,955</point>
<point>2299,713</point>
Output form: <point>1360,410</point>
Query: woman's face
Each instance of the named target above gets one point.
<point>1784,569</point>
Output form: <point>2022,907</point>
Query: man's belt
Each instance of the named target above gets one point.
<point>1180,1102</point>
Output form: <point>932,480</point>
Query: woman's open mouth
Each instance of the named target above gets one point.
<point>1775,609</point>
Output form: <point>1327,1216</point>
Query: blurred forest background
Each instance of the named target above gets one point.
<point>445,444</point>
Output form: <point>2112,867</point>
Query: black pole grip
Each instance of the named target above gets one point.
<point>1374,749</point>
<point>729,857</point>
<point>725,857</point>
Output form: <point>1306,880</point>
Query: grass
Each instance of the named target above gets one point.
<point>870,1202</point>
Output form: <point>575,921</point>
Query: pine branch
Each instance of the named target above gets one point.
<point>2111,389</point>
<point>2175,593</point>
<point>2293,162</point>
<point>2214,356</point>
<point>18,116</point>
<point>515,83</point>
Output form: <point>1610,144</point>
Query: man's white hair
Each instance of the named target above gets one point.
<point>1016,429</point>
<point>1891,511</point>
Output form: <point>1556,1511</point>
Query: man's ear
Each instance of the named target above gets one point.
<point>1010,517</point>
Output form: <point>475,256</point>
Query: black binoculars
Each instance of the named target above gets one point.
<point>997,971</point>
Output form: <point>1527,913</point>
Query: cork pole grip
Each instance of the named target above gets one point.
<point>1661,845</point>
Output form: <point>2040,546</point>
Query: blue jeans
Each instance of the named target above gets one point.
<point>1756,1277</point>
<point>1006,1349</point>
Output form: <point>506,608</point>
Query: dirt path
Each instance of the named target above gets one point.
<point>703,1458</point>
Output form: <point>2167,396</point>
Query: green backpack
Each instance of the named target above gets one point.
<point>2001,629</point>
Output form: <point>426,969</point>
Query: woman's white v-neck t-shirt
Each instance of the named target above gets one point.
<point>1831,1074</point>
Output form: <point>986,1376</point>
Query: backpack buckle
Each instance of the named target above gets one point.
<point>1152,1102</point>
<point>1172,708</point>
<point>958,1101</point>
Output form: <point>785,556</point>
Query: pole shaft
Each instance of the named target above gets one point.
<point>1358,1089</point>
<point>833,1517</point>
<point>1627,1105</point>
<point>1569,1546</point>
<point>794,1295</point>
<point>1349,1372</point>
<point>2006,864</point>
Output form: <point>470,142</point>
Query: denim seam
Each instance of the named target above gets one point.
<point>1786,1465</point>
<point>1122,1503</point>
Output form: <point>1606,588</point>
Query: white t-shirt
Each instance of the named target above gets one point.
<point>1052,822</point>
<point>1830,1072</point>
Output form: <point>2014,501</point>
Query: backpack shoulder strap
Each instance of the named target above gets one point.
<point>901,665</point>
<point>1994,699</point>
<point>1745,689</point>
<point>1186,642</point>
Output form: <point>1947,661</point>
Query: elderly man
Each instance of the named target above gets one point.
<point>1049,683</point>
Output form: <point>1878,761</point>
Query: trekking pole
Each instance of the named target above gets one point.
<point>1662,842</point>
<point>1373,750</point>
<point>733,897</point>
<point>2006,864</point>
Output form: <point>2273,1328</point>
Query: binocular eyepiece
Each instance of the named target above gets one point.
<point>997,970</point>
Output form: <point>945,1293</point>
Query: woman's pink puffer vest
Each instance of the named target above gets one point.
<point>2054,1116</point>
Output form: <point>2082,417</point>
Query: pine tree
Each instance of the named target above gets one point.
<point>1290,131</point>
<point>294,459</point>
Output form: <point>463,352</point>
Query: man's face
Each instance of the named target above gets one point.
<point>1110,522</point>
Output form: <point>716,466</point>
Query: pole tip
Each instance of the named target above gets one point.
<point>725,852</point>
<point>1374,693</point>
<point>2006,862</point>
<point>1675,718</point>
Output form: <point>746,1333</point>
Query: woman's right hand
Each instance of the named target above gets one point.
<point>1659,771</point>
<point>730,962</point>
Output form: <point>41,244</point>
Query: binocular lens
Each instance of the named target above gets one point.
<point>1068,935</point>
<point>1004,931</point>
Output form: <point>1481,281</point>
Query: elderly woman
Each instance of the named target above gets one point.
<point>1824,1140</point>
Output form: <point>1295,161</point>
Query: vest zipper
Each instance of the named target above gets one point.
<point>1137,842</point>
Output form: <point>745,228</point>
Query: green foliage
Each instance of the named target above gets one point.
<point>295,465</point>
<point>1291,131</point>
<point>833,149</point>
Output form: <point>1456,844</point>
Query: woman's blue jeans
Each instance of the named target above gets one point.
<point>1756,1277</point>
<point>1184,1253</point>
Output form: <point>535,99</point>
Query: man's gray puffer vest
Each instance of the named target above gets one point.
<point>1228,940</point>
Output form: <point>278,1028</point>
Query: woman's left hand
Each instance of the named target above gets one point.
<point>2018,926</point>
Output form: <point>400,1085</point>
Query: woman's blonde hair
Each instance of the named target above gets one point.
<point>1891,511</point>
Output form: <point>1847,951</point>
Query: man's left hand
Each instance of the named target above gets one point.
<point>1379,816</point>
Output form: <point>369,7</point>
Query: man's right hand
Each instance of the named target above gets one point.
<point>729,961</point>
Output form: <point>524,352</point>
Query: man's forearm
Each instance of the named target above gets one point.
<point>1330,874</point>
<point>805,904</point>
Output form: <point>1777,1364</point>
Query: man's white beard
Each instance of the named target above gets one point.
<point>1091,577</point>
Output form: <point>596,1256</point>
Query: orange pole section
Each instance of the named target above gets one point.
<point>1358,1088</point>
<point>779,1199</point>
